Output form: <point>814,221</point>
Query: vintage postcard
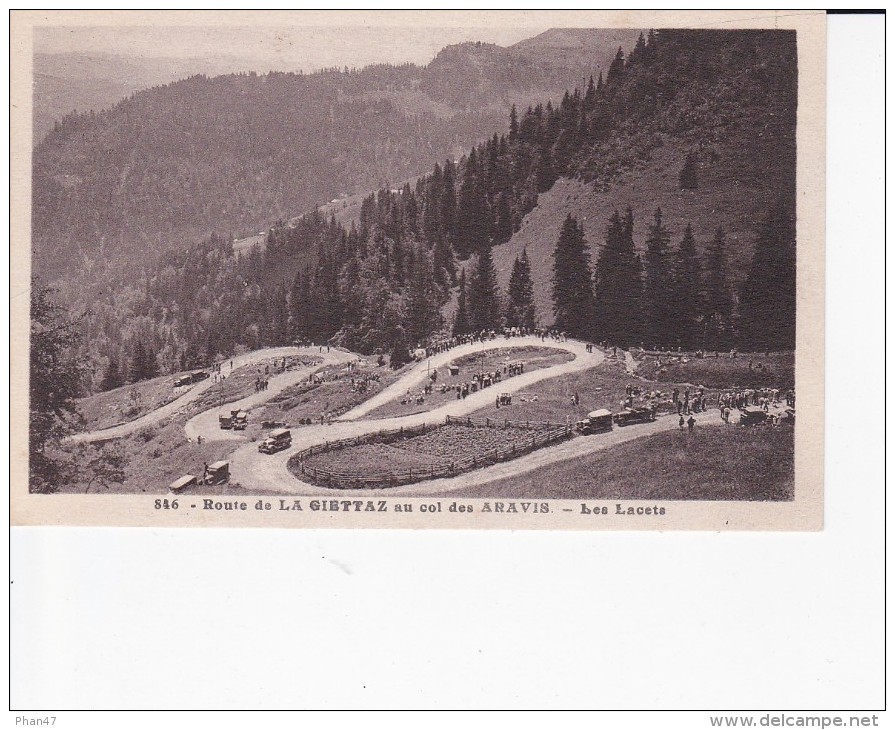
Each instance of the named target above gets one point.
<point>388,269</point>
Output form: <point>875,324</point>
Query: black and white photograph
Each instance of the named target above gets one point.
<point>363,275</point>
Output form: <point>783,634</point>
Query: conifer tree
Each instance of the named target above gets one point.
<point>718,302</point>
<point>142,362</point>
<point>484,306</point>
<point>618,288</point>
<point>447,207</point>
<point>461,318</point>
<point>687,301</point>
<point>55,373</point>
<point>472,229</point>
<point>112,378</point>
<point>658,285</point>
<point>423,306</point>
<point>768,299</point>
<point>572,291</point>
<point>617,67</point>
<point>520,294</point>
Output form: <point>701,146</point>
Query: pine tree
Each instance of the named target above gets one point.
<point>687,300</point>
<point>484,306</point>
<point>616,68</point>
<point>768,299</point>
<point>718,302</point>
<point>444,268</point>
<point>55,374</point>
<point>618,287</point>
<point>472,229</point>
<point>424,299</point>
<point>520,294</point>
<point>503,219</point>
<point>142,363</point>
<point>572,292</point>
<point>112,378</point>
<point>461,318</point>
<point>658,288</point>
<point>447,206</point>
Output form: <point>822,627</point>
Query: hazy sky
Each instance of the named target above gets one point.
<point>283,47</point>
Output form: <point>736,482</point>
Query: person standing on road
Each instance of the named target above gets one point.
<point>680,423</point>
<point>690,423</point>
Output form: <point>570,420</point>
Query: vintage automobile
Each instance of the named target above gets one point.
<point>200,375</point>
<point>187,480</point>
<point>182,380</point>
<point>596,422</point>
<point>752,416</point>
<point>638,414</point>
<point>218,473</point>
<point>276,441</point>
<point>239,419</point>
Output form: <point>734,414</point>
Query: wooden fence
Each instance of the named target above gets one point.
<point>541,434</point>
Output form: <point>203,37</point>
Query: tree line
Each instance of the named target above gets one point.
<point>421,249</point>
<point>671,297</point>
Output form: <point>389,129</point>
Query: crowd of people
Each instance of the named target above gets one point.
<point>762,398</point>
<point>478,381</point>
<point>445,344</point>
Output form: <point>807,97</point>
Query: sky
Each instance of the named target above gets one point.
<point>293,48</point>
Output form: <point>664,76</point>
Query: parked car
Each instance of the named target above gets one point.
<point>752,417</point>
<point>239,419</point>
<point>187,480</point>
<point>640,414</point>
<point>182,380</point>
<point>596,421</point>
<point>218,473</point>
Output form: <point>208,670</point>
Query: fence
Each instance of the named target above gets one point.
<point>542,434</point>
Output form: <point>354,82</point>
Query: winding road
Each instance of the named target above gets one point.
<point>206,424</point>
<point>255,470</point>
<point>197,425</point>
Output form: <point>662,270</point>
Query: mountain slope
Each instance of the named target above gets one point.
<point>718,106</point>
<point>232,154</point>
<point>737,186</point>
<point>67,82</point>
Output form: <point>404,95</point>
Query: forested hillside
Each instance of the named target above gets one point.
<point>700,123</point>
<point>167,166</point>
<point>67,82</point>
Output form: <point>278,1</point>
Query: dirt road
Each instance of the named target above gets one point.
<point>262,471</point>
<point>206,423</point>
<point>249,358</point>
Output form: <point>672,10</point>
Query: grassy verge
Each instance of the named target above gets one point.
<point>239,383</point>
<point>331,393</point>
<point>127,403</point>
<point>603,386</point>
<point>774,370</point>
<point>535,358</point>
<point>713,463</point>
